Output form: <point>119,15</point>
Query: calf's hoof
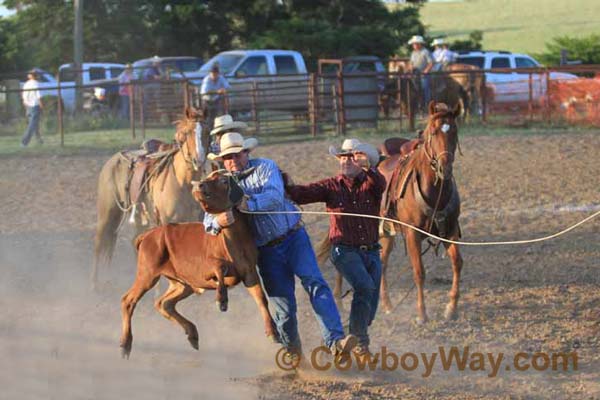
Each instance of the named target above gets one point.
<point>193,341</point>
<point>125,351</point>
<point>422,320</point>
<point>451,314</point>
<point>222,306</point>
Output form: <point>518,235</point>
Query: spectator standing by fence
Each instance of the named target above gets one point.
<point>125,91</point>
<point>32,100</point>
<point>442,55</point>
<point>213,90</point>
<point>421,63</point>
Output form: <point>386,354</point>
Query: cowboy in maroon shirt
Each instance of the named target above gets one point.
<point>355,253</point>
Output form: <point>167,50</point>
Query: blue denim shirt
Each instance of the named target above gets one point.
<point>265,188</point>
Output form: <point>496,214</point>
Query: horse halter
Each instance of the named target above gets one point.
<point>434,158</point>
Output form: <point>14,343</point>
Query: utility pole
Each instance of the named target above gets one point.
<point>78,50</point>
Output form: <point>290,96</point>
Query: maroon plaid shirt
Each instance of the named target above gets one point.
<point>362,195</point>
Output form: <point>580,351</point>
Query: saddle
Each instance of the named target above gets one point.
<point>150,157</point>
<point>393,168</point>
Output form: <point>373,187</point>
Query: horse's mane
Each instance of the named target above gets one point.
<point>184,127</point>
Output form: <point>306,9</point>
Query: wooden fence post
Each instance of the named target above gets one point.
<point>341,105</point>
<point>132,89</point>
<point>142,112</point>
<point>409,104</point>
<point>186,100</point>
<point>548,109</point>
<point>60,113</point>
<point>398,100</point>
<point>484,91</point>
<point>530,100</point>
<point>255,116</point>
<point>312,104</point>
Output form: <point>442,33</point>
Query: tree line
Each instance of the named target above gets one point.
<point>41,32</point>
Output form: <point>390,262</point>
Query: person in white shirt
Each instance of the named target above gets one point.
<point>442,55</point>
<point>32,101</point>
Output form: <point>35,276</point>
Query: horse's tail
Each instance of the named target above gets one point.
<point>323,249</point>
<point>110,216</point>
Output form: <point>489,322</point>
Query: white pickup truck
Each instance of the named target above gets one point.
<point>279,75</point>
<point>93,73</point>
<point>510,86</point>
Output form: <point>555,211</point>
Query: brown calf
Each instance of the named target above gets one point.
<point>193,261</point>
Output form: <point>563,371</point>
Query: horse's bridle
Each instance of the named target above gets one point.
<point>434,158</point>
<point>186,153</point>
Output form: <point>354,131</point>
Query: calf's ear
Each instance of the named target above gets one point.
<point>244,174</point>
<point>235,191</point>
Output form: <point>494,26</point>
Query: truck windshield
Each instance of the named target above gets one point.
<point>226,63</point>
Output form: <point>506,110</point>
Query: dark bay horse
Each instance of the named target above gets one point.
<point>168,197</point>
<point>422,193</point>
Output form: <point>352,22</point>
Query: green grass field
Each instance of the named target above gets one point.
<point>513,25</point>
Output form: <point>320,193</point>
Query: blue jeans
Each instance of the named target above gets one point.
<point>124,106</point>
<point>362,270</point>
<point>277,266</point>
<point>426,88</point>
<point>33,126</point>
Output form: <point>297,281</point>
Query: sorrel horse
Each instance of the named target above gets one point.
<point>422,193</point>
<point>167,197</point>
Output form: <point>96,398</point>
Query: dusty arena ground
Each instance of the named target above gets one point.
<point>58,340</point>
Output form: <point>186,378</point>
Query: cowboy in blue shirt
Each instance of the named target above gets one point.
<point>284,248</point>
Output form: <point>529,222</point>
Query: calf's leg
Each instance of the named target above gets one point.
<point>144,281</point>
<point>263,306</point>
<point>222,300</point>
<point>165,305</point>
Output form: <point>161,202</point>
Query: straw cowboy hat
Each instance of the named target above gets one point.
<point>351,146</point>
<point>225,122</point>
<point>232,143</point>
<point>416,39</point>
<point>438,42</point>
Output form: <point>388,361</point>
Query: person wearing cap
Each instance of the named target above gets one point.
<point>284,248</point>
<point>442,56</point>
<point>213,89</point>
<point>358,188</point>
<point>421,63</point>
<point>32,101</point>
<point>125,90</point>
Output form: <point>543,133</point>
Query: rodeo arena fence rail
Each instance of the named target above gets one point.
<point>319,103</point>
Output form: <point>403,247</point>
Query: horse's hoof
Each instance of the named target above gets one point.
<point>422,320</point>
<point>451,314</point>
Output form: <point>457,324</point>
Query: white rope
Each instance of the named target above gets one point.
<point>540,239</point>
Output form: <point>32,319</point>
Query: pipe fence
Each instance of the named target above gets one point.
<point>319,104</point>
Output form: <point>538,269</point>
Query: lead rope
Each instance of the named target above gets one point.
<point>395,221</point>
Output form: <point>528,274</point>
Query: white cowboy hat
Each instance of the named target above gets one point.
<point>370,151</point>
<point>438,42</point>
<point>416,39</point>
<point>348,147</point>
<point>232,143</point>
<point>225,122</point>
<point>351,146</point>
